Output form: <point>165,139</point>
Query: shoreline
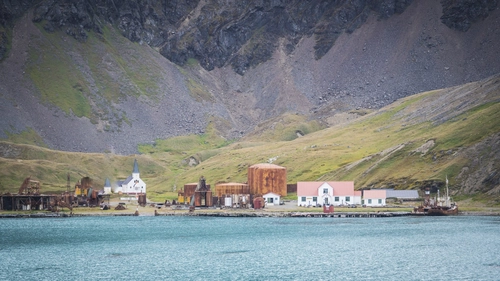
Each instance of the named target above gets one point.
<point>230,213</point>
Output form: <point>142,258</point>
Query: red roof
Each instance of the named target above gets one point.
<point>340,188</point>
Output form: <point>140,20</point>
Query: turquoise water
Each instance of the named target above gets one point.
<point>206,248</point>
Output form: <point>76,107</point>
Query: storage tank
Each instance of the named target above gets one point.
<point>264,178</point>
<point>258,203</point>
<point>228,202</point>
<point>231,188</point>
<point>141,200</point>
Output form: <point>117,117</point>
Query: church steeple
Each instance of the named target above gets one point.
<point>136,167</point>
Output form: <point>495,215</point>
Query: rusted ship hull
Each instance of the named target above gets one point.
<point>443,211</point>
<point>436,211</point>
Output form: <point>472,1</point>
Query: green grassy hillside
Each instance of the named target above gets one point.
<point>416,141</point>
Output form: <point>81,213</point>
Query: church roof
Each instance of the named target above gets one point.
<point>126,181</point>
<point>107,184</point>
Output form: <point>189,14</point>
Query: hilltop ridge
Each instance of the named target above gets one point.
<point>106,76</point>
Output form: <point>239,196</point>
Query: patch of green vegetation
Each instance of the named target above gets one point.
<point>469,127</point>
<point>57,80</point>
<point>135,73</point>
<point>28,136</point>
<point>198,91</point>
<point>477,202</point>
<point>286,127</point>
<point>192,62</point>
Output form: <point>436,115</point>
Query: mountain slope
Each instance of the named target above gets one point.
<point>416,142</point>
<point>96,76</point>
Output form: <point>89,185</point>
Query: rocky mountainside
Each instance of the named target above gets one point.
<point>103,75</point>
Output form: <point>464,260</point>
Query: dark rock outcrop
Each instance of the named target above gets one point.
<point>246,34</point>
<point>242,35</point>
<point>9,11</point>
<point>147,22</point>
<point>461,14</point>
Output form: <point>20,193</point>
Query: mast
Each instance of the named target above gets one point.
<point>447,196</point>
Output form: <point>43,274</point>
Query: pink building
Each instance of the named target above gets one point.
<point>327,193</point>
<point>374,197</point>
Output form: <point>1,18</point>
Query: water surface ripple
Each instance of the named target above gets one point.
<point>206,248</point>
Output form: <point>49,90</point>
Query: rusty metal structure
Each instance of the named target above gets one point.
<point>202,196</point>
<point>29,186</point>
<point>28,198</point>
<point>26,202</point>
<point>186,195</point>
<point>86,195</point>
<point>141,199</point>
<point>232,194</point>
<point>264,178</point>
<point>223,189</point>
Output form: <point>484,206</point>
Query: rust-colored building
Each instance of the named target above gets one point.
<point>203,194</point>
<point>264,178</point>
<point>184,196</point>
<point>200,192</point>
<point>232,194</point>
<point>222,189</point>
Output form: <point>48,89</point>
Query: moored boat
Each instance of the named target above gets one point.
<point>438,206</point>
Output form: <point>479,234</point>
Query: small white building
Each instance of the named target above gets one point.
<point>374,197</point>
<point>107,187</point>
<point>271,199</point>
<point>133,184</point>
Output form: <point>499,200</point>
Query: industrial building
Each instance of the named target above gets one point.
<point>266,178</point>
<point>232,194</point>
<point>196,194</point>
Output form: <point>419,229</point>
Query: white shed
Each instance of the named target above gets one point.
<point>271,199</point>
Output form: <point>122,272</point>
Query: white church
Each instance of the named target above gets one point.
<point>133,185</point>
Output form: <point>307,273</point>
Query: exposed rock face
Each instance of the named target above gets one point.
<point>259,60</point>
<point>461,14</point>
<point>139,21</point>
<point>9,11</point>
<point>247,33</point>
<point>243,34</point>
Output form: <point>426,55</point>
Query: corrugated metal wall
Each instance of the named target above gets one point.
<point>265,178</point>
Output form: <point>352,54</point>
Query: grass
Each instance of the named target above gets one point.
<point>28,136</point>
<point>87,78</point>
<point>376,150</point>
<point>198,92</point>
<point>56,79</point>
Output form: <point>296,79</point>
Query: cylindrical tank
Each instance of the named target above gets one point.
<point>231,188</point>
<point>141,200</point>
<point>236,200</point>
<point>228,202</point>
<point>258,203</point>
<point>264,178</point>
